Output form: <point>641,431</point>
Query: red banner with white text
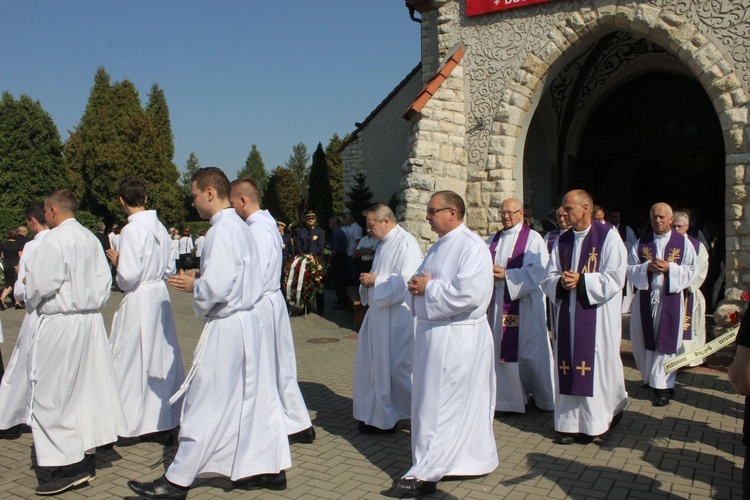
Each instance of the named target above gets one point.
<point>477,7</point>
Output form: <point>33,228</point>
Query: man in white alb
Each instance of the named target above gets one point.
<point>246,202</point>
<point>523,355</point>
<point>586,273</point>
<point>232,422</point>
<point>453,391</point>
<point>143,341</point>
<point>15,390</point>
<point>74,404</point>
<point>385,345</point>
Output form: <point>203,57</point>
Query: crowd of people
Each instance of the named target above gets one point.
<point>451,340</point>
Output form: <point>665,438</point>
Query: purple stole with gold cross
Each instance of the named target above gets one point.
<point>509,338</point>
<point>670,324</point>
<point>576,361</point>
<point>687,327</point>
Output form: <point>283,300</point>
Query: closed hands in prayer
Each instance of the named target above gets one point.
<point>658,266</point>
<point>417,284</point>
<point>367,279</point>
<point>498,272</point>
<point>569,279</point>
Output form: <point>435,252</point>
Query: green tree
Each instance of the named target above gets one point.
<point>116,138</point>
<point>186,180</point>
<point>297,164</point>
<point>255,169</point>
<point>360,197</point>
<point>31,162</point>
<point>282,196</point>
<point>336,172</point>
<point>319,196</point>
<point>158,111</point>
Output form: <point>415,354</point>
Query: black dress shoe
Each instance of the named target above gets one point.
<point>371,429</point>
<point>565,440</point>
<point>414,486</point>
<point>60,483</point>
<point>662,401</point>
<point>161,488</point>
<point>306,436</point>
<point>275,482</point>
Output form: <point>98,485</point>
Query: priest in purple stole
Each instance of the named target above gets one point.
<point>523,355</point>
<point>661,266</point>
<point>586,273</point>
<point>694,329</point>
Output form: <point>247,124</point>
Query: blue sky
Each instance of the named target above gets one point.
<point>235,72</point>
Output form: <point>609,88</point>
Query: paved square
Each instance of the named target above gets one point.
<point>690,449</point>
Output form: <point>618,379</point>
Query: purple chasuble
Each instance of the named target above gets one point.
<point>670,324</point>
<point>687,327</point>
<point>511,323</point>
<point>576,361</point>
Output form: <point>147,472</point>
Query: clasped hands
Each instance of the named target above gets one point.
<point>418,283</point>
<point>569,279</point>
<point>658,266</point>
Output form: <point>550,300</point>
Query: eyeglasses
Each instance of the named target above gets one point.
<point>503,213</point>
<point>433,211</point>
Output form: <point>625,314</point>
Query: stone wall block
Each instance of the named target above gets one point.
<point>624,16</point>
<point>726,84</point>
<point>474,192</point>
<point>735,175</point>
<point>733,243</point>
<point>733,118</point>
<point>734,211</point>
<point>507,187</point>
<point>736,194</point>
<point>548,52</point>
<point>606,11</point>
<point>425,148</point>
<point>535,66</point>
<point>476,218</point>
<point>735,140</point>
<point>570,35</point>
<point>477,175</point>
<point>703,59</point>
<point>446,183</point>
<point>644,17</point>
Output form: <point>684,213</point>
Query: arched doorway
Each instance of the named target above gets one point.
<point>655,138</point>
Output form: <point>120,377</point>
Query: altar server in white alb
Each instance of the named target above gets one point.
<point>694,327</point>
<point>232,421</point>
<point>661,266</point>
<point>523,355</point>
<point>143,341</point>
<point>385,346</point>
<point>15,390</point>
<point>453,393</point>
<point>586,273</point>
<point>246,201</point>
<point>74,405</point>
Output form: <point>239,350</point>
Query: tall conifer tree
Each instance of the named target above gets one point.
<point>336,173</point>
<point>319,196</point>
<point>255,169</point>
<point>30,153</point>
<point>282,196</point>
<point>297,164</point>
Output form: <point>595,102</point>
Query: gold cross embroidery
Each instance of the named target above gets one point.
<point>583,368</point>
<point>564,367</point>
<point>674,255</point>
<point>591,264</point>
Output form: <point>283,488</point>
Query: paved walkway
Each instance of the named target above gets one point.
<point>690,449</point>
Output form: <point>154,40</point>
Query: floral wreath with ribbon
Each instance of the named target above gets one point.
<point>303,279</point>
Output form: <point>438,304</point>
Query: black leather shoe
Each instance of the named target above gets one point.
<point>371,429</point>
<point>565,440</point>
<point>306,436</point>
<point>161,488</point>
<point>662,401</point>
<point>275,482</point>
<point>414,486</point>
<point>60,483</point>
